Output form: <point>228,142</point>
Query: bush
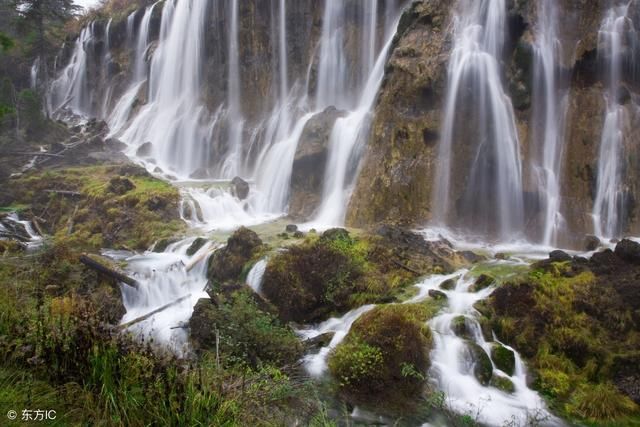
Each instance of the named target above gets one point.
<point>600,402</point>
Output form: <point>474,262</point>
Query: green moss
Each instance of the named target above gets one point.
<point>331,274</point>
<point>600,402</point>
<point>132,217</point>
<point>482,367</point>
<point>504,359</point>
<point>503,383</point>
<point>383,360</point>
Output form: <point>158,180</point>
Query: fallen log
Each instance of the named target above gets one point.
<point>200,257</point>
<point>105,267</point>
<point>405,267</point>
<point>151,313</point>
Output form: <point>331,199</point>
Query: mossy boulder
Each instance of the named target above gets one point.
<point>226,264</point>
<point>197,244</point>
<point>449,284</point>
<point>383,361</point>
<point>482,282</point>
<point>460,328</point>
<point>332,274</point>
<point>480,363</point>
<point>504,359</point>
<point>247,331</point>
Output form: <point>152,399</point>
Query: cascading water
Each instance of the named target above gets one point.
<point>453,365</point>
<point>549,113</point>
<point>615,46</point>
<point>235,121</point>
<point>479,125</point>
<point>70,90</point>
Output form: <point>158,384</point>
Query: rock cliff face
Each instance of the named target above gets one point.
<point>395,183</point>
<point>397,178</point>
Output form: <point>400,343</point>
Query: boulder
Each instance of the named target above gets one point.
<point>384,358</point>
<point>504,359</point>
<point>309,164</point>
<point>291,228</point>
<point>482,282</point>
<point>559,256</point>
<point>459,327</point>
<point>145,150</point>
<point>503,383</point>
<point>226,264</point>
<point>113,144</point>
<point>437,295</point>
<point>240,188</point>
<point>319,341</point>
<point>449,284</point>
<point>629,251</point>
<point>591,242</point>
<point>196,246</point>
<point>480,363</point>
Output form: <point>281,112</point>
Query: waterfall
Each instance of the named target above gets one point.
<point>106,60</point>
<point>479,122</point>
<point>549,113</point>
<point>235,121</point>
<point>332,63</point>
<point>173,119</point>
<point>122,111</point>
<point>345,141</point>
<point>70,90</point>
<point>609,205</point>
<point>35,68</point>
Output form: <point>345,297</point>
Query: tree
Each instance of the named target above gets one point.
<point>38,14</point>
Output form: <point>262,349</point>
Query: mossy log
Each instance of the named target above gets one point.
<point>106,268</point>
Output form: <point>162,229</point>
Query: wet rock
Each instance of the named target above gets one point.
<point>459,327</point>
<point>482,282</point>
<point>449,284</point>
<point>591,243</point>
<point>481,363</point>
<point>162,244</point>
<point>202,323</point>
<point>113,144</point>
<point>504,359</point>
<point>196,246</point>
<point>226,264</point>
<point>240,188</point>
<point>291,228</point>
<point>437,295</point>
<point>145,150</point>
<point>502,256</point>
<point>120,185</point>
<point>319,341</point>
<point>559,256</point>
<point>298,234</point>
<point>629,251</point>
<point>472,257</point>
<point>309,164</point>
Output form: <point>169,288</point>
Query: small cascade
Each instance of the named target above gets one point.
<point>255,275</point>
<point>453,363</point>
<point>488,179</point>
<point>316,364</point>
<point>33,76</point>
<point>616,40</point>
<point>164,278</point>
<point>21,231</point>
<point>550,104</point>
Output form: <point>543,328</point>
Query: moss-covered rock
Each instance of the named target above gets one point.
<point>504,359</point>
<point>197,244</point>
<point>482,282</point>
<point>459,327</point>
<point>481,363</point>
<point>382,363</point>
<point>227,264</point>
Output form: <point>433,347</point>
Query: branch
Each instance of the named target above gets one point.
<point>146,316</point>
<point>102,267</point>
